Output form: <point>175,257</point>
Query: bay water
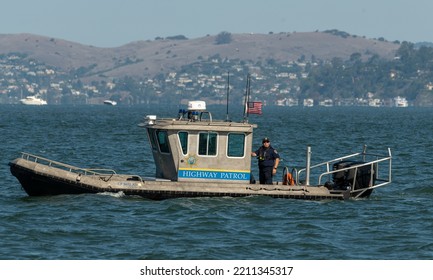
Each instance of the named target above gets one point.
<point>396,222</point>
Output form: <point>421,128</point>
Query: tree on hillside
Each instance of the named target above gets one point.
<point>177,37</point>
<point>223,38</point>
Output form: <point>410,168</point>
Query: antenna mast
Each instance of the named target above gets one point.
<point>228,93</point>
<point>247,98</point>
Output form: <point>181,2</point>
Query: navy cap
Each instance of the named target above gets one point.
<point>266,139</point>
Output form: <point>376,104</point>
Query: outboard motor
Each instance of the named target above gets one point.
<point>359,177</point>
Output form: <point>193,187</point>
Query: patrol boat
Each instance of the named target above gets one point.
<point>197,156</point>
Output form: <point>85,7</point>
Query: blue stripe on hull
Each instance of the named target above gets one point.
<point>213,174</point>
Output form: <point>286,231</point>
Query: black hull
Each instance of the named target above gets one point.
<point>35,184</point>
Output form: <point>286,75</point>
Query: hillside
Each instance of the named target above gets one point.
<point>148,58</point>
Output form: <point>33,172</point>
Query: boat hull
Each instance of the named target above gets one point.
<point>42,180</point>
<point>39,184</point>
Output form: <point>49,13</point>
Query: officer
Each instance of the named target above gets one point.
<point>268,161</point>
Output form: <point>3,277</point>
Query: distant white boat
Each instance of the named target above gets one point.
<point>33,100</point>
<point>110,102</point>
<point>401,102</point>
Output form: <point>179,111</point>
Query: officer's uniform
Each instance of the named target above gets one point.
<point>266,158</point>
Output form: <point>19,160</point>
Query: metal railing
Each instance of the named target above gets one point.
<point>375,161</point>
<point>67,167</point>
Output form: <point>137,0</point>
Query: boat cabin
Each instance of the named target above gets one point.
<point>194,147</point>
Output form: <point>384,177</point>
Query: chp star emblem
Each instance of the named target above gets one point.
<point>191,160</point>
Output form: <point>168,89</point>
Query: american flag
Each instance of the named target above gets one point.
<point>255,107</point>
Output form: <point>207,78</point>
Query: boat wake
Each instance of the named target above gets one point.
<point>117,194</point>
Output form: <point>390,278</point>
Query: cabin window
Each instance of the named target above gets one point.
<point>207,143</point>
<point>236,145</point>
<point>162,137</point>
<point>183,139</point>
<point>151,135</point>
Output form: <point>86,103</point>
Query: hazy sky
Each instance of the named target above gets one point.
<point>111,23</point>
